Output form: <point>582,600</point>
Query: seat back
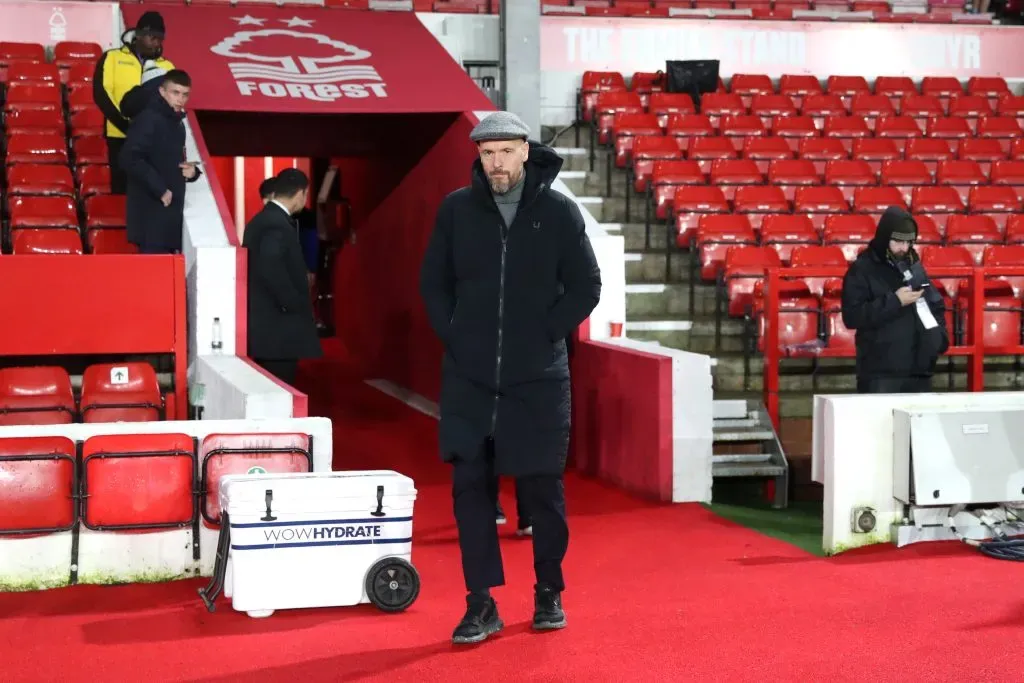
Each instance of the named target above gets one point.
<point>36,395</point>
<point>127,392</point>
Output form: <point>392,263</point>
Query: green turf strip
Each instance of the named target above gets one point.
<point>742,502</point>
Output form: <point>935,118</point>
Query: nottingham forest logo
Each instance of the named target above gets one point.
<point>285,62</point>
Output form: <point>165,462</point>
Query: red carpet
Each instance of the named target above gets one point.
<point>657,593</point>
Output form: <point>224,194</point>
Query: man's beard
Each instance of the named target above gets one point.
<point>501,184</point>
<point>905,256</point>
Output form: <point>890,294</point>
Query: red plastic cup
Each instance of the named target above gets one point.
<point>616,329</point>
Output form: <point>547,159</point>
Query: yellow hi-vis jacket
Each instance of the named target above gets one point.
<point>117,72</point>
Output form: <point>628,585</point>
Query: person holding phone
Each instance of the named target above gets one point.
<point>897,313</point>
<point>154,158</point>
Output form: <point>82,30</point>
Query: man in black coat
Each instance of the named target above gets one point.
<point>153,157</point>
<point>898,315</point>
<point>508,273</point>
<point>280,325</point>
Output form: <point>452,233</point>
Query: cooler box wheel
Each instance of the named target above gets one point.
<point>392,584</point>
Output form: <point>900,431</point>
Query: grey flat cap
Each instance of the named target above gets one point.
<point>501,125</point>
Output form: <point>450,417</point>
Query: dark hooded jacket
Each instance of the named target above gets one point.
<point>503,299</point>
<point>891,339</point>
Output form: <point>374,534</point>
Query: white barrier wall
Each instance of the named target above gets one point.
<point>853,456</point>
<point>233,390</point>
<point>31,563</point>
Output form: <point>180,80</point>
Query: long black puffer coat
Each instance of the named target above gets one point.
<point>503,303</point>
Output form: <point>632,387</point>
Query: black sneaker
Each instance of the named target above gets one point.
<point>548,614</point>
<point>480,622</point>
<point>499,516</point>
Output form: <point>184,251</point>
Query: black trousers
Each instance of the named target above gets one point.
<point>118,178</point>
<point>894,385</point>
<point>284,370</point>
<point>474,495</point>
<point>522,516</point>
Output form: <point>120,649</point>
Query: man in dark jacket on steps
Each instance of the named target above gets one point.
<point>899,316</point>
<point>508,274</point>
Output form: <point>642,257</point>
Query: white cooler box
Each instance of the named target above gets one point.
<point>317,539</point>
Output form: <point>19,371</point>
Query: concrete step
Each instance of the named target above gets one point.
<point>740,458</point>
<point>758,433</point>
<point>594,205</point>
<point>649,266</point>
<point>697,335</point>
<point>645,299</point>
<point>574,158</point>
<point>636,235</point>
<point>746,470</point>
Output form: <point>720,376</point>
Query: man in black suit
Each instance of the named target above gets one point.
<point>281,325</point>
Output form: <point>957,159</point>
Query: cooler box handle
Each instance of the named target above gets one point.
<point>379,512</point>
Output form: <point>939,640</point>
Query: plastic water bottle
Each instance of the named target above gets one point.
<point>216,344</point>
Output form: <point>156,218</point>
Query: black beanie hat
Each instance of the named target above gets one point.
<point>152,24</point>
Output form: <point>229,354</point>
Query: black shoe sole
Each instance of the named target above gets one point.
<point>488,631</point>
<point>549,625</point>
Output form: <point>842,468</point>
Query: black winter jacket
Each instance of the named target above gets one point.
<point>891,339</point>
<point>153,151</point>
<point>503,302</point>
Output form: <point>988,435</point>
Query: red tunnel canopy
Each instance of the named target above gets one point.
<point>299,60</point>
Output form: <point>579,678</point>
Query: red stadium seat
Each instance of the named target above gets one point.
<point>22,95</point>
<point>973,233</point>
<point>875,152</point>
<point>742,126</point>
<point>930,151</point>
<point>941,87</point>
<point>790,174</point>
<point>784,232</point>
<point>1001,320</point>
<point>1007,255</point>
<point>871,107</point>
<point>1010,105</point>
<point>905,176</point>
<point>961,175</point>
<point>818,202</point>
<point>126,392</point>
<point>38,148</point>
<point>68,51</point>
<point>794,129</point>
<point>1017,150</point>
<point>992,87</point>
<point>848,175</point>
<point>799,86</point>
<point>40,179</point>
<point>35,396</point>
<point>686,127</point>
<point>611,103</point>
<point>820,107</point>
<point>647,149</point>
<point>1002,128</point>
<point>949,127</point>
<point>839,340</point>
<point>769,107</point>
<point>80,99</point>
<point>760,200</point>
<point>43,212</point>
<point>644,83</point>
<point>705,150</point>
<point>87,122</point>
<point>664,104</point>
<point>744,267</point>
<point>716,105</point>
<point>105,211</point>
<point>846,129</point>
<point>985,151</point>
<point>626,128</point>
<point>817,256</point>
<point>1015,229</point>
<point>33,72</point>
<point>45,241</point>
<point>847,87</point>
<point>727,174</point>
<point>899,129</point>
<point>797,322</point>
<point>922,107</point>
<point>936,200</point>
<point>595,83</point>
<point>35,121</point>
<point>970,107</point>
<point>38,485</point>
<point>895,88</point>
<point>849,232</point>
<point>1009,173</point>
<point>79,76</point>
<point>821,151</point>
<point>716,233</point>
<point>11,51</point>
<point>93,180</point>
<point>90,150</point>
<point>928,233</point>
<point>875,200</point>
<point>109,241</point>
<point>666,177</point>
<point>748,86</point>
<point>936,258</point>
<point>690,204</point>
<point>764,150</point>
<point>994,201</point>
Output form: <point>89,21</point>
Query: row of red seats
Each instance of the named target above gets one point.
<point>796,87</point>
<point>52,148</point>
<point>691,204</point>
<point>24,121</point>
<point>30,241</point>
<point>26,95</point>
<point>654,157</point>
<point>56,180</point>
<point>67,56</point>
<point>51,224</point>
<point>614,123</point>
<point>111,392</point>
